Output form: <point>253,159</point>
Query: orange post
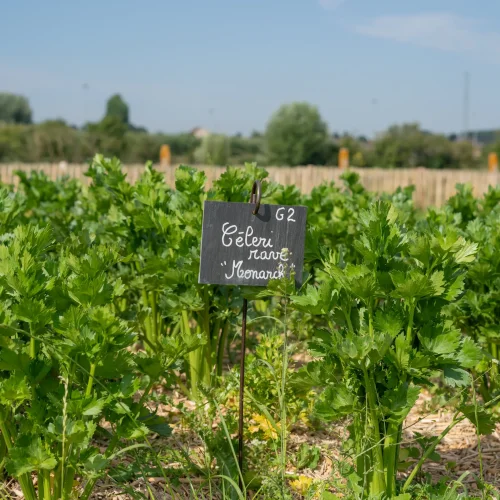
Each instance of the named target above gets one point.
<point>492,162</point>
<point>344,158</point>
<point>165,155</point>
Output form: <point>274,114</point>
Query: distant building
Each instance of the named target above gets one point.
<point>199,132</point>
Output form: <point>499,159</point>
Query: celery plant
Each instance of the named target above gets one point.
<point>388,334</point>
<point>65,362</point>
<point>478,311</point>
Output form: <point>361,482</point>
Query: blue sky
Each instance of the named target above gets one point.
<point>228,64</point>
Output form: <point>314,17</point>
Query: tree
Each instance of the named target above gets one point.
<point>246,149</point>
<point>54,140</point>
<point>14,108</point>
<point>108,136</point>
<point>297,135</point>
<point>213,150</point>
<point>15,144</point>
<point>116,107</point>
<point>467,155</point>
<point>408,146</point>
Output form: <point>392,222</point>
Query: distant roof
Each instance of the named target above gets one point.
<point>199,132</point>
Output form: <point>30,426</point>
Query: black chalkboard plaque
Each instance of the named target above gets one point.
<point>240,248</point>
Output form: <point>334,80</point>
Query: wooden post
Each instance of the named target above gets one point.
<point>165,155</point>
<point>492,162</point>
<point>343,158</point>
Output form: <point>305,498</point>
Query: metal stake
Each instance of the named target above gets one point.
<point>254,198</point>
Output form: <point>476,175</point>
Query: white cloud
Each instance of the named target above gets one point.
<point>331,4</point>
<point>443,31</point>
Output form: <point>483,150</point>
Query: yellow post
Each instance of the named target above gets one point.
<point>492,162</point>
<point>343,158</point>
<point>165,155</point>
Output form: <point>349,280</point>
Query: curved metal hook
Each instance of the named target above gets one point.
<point>255,196</point>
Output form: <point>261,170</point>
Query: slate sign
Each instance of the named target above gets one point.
<point>239,248</point>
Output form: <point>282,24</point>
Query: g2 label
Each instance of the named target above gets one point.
<point>280,214</point>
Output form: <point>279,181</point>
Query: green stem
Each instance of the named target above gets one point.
<point>349,322</point>
<point>161,325</point>
<point>193,358</point>
<point>44,491</point>
<point>154,317</point>
<point>32,348</point>
<point>493,350</point>
<point>3,457</point>
<point>146,392</point>
<point>24,479</point>
<point>361,456</point>
<point>215,335</point>
<point>429,451</point>
<point>478,434</point>
<point>145,302</point>
<point>87,491</point>
<point>398,447</point>
<point>5,432</point>
<point>68,483</point>
<point>90,383</point>
<point>378,484</point>
<point>175,330</point>
<point>62,469</point>
<point>147,319</point>
<point>494,366</point>
<point>394,431</point>
<point>222,343</point>
<point>57,482</point>
<point>41,486</point>
<point>207,351</point>
<point>391,446</point>
<point>370,318</point>
<point>409,329</point>
<point>185,322</point>
<point>484,388</point>
<point>32,343</point>
<point>113,443</point>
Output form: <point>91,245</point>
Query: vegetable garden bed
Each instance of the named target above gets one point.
<point>377,378</point>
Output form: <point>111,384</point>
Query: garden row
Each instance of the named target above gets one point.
<point>102,320</point>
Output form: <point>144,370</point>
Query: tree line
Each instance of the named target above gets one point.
<point>296,134</point>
